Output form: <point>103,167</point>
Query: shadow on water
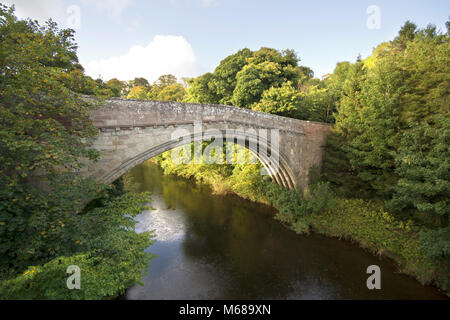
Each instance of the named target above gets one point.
<point>224,247</point>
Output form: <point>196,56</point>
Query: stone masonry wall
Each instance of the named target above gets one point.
<point>132,131</point>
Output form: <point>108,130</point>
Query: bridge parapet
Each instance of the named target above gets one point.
<point>125,113</point>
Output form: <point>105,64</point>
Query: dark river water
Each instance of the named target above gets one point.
<point>224,247</point>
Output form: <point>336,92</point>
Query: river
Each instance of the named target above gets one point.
<point>225,247</point>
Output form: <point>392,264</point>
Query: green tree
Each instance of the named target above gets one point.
<point>166,88</point>
<point>138,92</point>
<point>339,172</point>
<point>110,254</point>
<point>200,90</point>
<point>407,33</point>
<point>241,78</point>
<point>165,80</point>
<point>46,137</point>
<point>320,103</point>
<point>118,87</point>
<point>423,167</point>
<point>139,82</point>
<point>265,69</point>
<point>399,85</point>
<point>173,92</point>
<point>284,101</point>
<point>223,81</point>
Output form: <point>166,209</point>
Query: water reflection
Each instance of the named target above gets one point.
<point>223,247</point>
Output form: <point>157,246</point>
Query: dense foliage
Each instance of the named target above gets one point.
<point>264,80</point>
<point>391,141</point>
<point>390,144</point>
<point>404,82</point>
<point>382,233</point>
<point>423,167</point>
<point>102,242</point>
<point>165,88</point>
<point>45,139</point>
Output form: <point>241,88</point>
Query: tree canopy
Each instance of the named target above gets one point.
<point>46,137</point>
<point>386,98</point>
<point>265,80</point>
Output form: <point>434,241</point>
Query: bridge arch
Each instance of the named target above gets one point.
<point>280,173</point>
<point>133,131</point>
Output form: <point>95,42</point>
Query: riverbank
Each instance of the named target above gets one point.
<point>360,221</point>
<point>377,231</point>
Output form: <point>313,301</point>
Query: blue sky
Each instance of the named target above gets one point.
<point>128,38</point>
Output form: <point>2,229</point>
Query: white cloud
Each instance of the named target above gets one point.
<point>40,10</point>
<point>186,3</point>
<point>113,8</point>
<point>210,3</point>
<point>163,55</point>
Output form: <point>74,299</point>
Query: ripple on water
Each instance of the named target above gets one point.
<point>168,224</point>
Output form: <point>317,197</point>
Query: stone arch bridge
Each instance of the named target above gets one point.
<point>133,131</point>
